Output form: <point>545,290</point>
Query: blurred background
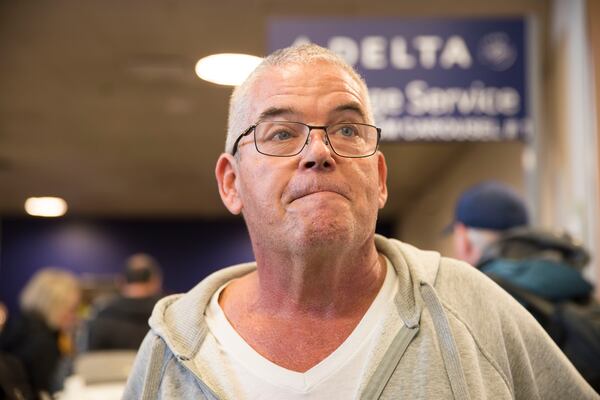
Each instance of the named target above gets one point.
<point>100,105</point>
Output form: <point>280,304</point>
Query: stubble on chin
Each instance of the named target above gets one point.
<point>322,233</point>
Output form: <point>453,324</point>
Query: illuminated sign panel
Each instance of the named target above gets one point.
<point>430,79</point>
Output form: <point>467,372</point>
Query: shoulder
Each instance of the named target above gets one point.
<point>179,305</point>
<point>104,305</point>
<point>158,373</point>
<point>483,306</point>
<point>32,339</point>
<point>457,279</point>
<point>506,334</point>
<point>485,323</point>
<point>179,319</point>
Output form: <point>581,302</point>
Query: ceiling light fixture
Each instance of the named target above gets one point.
<point>46,206</point>
<point>226,68</point>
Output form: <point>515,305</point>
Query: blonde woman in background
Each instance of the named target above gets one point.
<point>38,337</point>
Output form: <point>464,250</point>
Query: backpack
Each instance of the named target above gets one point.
<point>575,327</point>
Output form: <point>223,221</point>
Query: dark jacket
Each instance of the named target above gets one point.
<point>30,339</point>
<point>120,324</point>
<point>14,383</point>
<point>545,263</point>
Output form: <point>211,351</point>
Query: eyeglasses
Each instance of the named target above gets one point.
<point>287,139</point>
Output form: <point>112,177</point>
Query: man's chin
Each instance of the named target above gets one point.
<point>325,233</point>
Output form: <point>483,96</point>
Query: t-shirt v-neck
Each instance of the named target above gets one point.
<point>351,355</point>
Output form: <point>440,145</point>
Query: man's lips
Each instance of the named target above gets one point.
<point>317,192</point>
<point>295,192</point>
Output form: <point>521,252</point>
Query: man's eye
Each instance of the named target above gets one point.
<point>348,130</point>
<point>282,135</point>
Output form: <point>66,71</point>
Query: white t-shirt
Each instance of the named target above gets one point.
<point>236,371</point>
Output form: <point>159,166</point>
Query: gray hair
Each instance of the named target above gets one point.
<point>239,105</point>
<point>482,238</point>
<point>49,293</point>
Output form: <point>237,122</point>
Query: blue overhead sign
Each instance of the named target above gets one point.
<point>430,79</point>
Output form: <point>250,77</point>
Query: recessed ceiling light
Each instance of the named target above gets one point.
<point>46,206</point>
<point>227,68</point>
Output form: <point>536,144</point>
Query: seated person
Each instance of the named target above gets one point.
<point>39,338</point>
<point>122,322</point>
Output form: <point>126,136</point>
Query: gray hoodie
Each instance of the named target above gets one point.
<point>462,338</point>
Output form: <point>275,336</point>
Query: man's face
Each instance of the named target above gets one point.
<point>316,197</point>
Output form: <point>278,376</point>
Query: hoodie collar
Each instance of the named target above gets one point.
<point>180,321</point>
<point>414,268</point>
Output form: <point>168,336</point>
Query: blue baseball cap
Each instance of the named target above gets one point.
<point>490,205</point>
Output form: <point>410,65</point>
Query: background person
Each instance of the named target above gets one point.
<point>491,232</point>
<point>41,336</point>
<point>121,323</point>
<point>3,315</point>
<point>329,309</point>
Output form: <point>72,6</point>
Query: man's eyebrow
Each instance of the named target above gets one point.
<point>354,107</point>
<point>272,112</point>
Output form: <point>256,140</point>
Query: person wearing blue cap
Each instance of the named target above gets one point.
<point>491,232</point>
<point>482,213</point>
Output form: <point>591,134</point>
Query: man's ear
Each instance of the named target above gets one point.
<point>382,171</point>
<point>463,248</point>
<point>460,241</point>
<point>226,173</point>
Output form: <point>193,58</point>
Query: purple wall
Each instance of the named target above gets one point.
<point>188,250</point>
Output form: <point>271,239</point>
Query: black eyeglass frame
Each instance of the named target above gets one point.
<point>252,128</point>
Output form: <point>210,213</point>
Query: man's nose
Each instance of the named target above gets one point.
<point>317,153</point>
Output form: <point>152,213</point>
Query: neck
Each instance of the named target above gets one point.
<point>138,290</point>
<point>328,284</point>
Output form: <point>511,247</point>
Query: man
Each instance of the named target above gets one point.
<point>122,322</point>
<point>329,309</point>
<point>491,232</point>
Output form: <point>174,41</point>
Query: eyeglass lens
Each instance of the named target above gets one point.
<point>282,138</point>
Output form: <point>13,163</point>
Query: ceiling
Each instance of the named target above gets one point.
<point>99,104</point>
